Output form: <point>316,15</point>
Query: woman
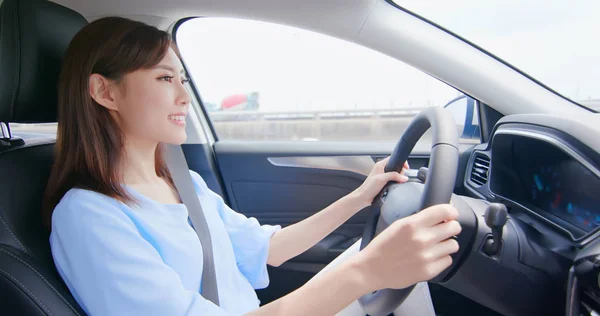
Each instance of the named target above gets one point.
<point>120,237</point>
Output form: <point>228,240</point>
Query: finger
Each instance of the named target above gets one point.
<point>379,167</point>
<point>436,214</point>
<point>445,230</point>
<point>438,266</point>
<point>444,248</point>
<point>395,176</point>
<point>405,167</point>
<point>384,161</point>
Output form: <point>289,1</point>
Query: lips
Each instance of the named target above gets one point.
<point>179,118</point>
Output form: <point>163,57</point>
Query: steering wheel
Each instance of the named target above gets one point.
<point>396,201</point>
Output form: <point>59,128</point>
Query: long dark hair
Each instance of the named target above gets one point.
<point>89,142</point>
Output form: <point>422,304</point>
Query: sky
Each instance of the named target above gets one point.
<point>298,70</point>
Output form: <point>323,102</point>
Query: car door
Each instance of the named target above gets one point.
<point>291,121</point>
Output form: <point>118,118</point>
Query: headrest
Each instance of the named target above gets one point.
<point>34,36</point>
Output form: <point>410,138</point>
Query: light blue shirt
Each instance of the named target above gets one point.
<point>147,259</point>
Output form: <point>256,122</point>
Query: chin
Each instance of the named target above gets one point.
<point>176,139</point>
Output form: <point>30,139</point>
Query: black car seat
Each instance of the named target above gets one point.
<point>34,35</point>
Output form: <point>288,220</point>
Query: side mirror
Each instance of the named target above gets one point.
<point>466,116</point>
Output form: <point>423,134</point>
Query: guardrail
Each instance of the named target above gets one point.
<point>348,125</point>
<point>228,116</point>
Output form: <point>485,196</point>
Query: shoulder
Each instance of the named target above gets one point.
<point>87,199</point>
<point>85,207</point>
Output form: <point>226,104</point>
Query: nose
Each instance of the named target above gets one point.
<point>183,97</point>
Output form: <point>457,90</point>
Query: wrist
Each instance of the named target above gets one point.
<point>358,273</point>
<point>357,199</point>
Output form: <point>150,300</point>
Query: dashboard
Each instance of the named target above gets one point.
<point>549,179</point>
<point>546,170</point>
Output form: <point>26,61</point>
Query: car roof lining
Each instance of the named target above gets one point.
<point>310,14</point>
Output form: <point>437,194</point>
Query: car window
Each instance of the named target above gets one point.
<point>264,81</point>
<point>44,129</point>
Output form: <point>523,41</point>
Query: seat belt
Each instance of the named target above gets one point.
<point>180,173</point>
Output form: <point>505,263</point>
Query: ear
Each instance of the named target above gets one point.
<point>102,91</point>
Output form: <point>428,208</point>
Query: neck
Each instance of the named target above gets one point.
<point>138,162</point>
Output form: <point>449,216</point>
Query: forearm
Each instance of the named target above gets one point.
<point>424,252</point>
<point>326,294</point>
<point>295,239</point>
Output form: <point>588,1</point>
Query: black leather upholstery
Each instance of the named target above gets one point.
<point>34,35</point>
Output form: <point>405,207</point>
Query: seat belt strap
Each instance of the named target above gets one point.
<point>180,173</point>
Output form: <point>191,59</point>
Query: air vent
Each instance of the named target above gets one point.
<point>481,168</point>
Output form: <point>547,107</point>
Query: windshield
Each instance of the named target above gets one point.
<point>554,42</point>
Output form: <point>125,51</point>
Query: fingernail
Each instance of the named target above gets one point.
<point>403,178</point>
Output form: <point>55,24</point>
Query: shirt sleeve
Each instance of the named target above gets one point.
<point>110,268</point>
<point>249,239</point>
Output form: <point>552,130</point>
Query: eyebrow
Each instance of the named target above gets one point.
<point>169,68</point>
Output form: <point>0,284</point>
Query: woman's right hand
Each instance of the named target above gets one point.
<point>410,250</point>
<point>413,249</point>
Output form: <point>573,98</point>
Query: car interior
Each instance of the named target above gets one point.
<point>527,194</point>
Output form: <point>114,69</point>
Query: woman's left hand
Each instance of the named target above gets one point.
<point>376,180</point>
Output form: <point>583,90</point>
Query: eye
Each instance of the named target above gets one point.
<point>185,80</point>
<point>166,78</point>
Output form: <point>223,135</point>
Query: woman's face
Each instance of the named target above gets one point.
<point>152,103</point>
